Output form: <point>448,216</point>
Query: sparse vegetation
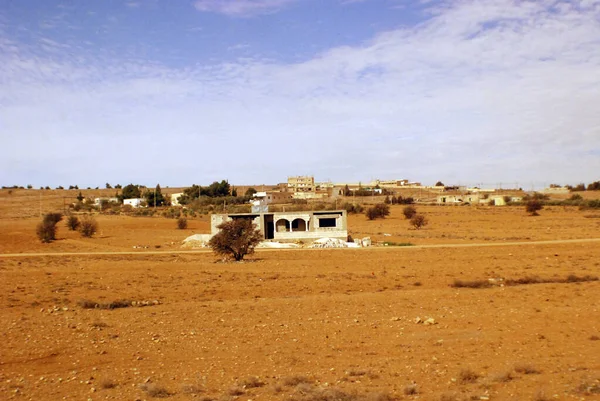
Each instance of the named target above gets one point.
<point>471,284</point>
<point>379,211</point>
<point>182,223</point>
<point>418,221</point>
<point>235,239</point>
<point>527,369</point>
<point>88,226</point>
<point>73,223</point>
<point>409,212</point>
<point>155,391</point>
<point>46,230</point>
<point>107,384</point>
<point>533,206</point>
<point>467,376</point>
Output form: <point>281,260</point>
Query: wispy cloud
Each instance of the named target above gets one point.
<point>482,90</point>
<point>241,8</point>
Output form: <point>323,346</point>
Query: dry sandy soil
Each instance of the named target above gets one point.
<point>341,324</point>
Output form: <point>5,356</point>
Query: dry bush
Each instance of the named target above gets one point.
<point>155,391</point>
<point>182,223</point>
<point>532,206</point>
<point>236,239</point>
<point>73,223</point>
<point>409,212</point>
<point>526,369</point>
<point>471,284</point>
<point>594,338</point>
<point>419,221</point>
<point>46,231</point>
<point>88,227</point>
<point>87,304</point>
<point>467,376</point>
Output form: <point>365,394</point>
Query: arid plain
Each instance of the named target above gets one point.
<point>340,324</point>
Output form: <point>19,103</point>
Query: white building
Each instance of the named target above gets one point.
<point>134,202</point>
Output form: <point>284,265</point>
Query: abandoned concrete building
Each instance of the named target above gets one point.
<point>292,226</point>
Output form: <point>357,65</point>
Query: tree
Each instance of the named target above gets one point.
<point>80,197</point>
<point>250,192</point>
<point>418,221</point>
<point>594,186</point>
<point>387,200</point>
<point>409,212</point>
<point>130,192</point>
<point>150,194</point>
<point>532,206</point>
<point>108,186</point>
<point>347,191</point>
<point>236,239</point>
<point>439,184</point>
<point>381,210</point>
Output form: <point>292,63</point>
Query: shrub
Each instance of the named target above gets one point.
<point>46,231</point>
<point>418,221</point>
<point>236,238</point>
<point>532,206</point>
<point>88,227</point>
<point>73,223</point>
<point>381,210</point>
<point>53,217</point>
<point>182,223</point>
<point>409,212</point>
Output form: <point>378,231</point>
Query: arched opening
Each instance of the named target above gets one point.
<point>298,225</point>
<point>282,225</point>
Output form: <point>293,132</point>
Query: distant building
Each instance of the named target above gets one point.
<point>98,201</point>
<point>175,199</point>
<point>301,184</point>
<point>292,226</point>
<point>134,202</point>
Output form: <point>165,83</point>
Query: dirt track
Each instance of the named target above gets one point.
<point>383,248</point>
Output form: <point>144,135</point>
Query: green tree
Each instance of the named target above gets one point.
<point>80,197</point>
<point>131,192</point>
<point>150,195</point>
<point>250,192</point>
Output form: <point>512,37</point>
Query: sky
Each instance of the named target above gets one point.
<point>179,92</point>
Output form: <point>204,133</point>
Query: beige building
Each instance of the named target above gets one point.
<point>292,226</point>
<point>301,183</point>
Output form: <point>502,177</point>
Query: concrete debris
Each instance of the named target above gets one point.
<point>329,243</point>
<point>196,241</point>
<point>277,245</point>
<point>427,322</point>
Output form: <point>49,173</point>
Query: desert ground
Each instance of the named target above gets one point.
<point>379,323</point>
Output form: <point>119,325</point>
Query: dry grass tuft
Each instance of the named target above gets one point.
<point>541,396</point>
<point>471,284</point>
<point>295,380</point>
<point>155,391</point>
<point>411,389</point>
<point>235,391</point>
<point>192,389</point>
<point>108,383</point>
<point>467,376</point>
<point>527,369</point>
<point>594,338</point>
<point>587,388</point>
<point>503,377</point>
<point>252,382</point>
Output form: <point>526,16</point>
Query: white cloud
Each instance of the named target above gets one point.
<point>241,8</point>
<point>491,91</point>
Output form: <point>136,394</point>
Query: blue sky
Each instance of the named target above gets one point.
<point>181,92</point>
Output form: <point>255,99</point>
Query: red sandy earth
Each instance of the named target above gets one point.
<point>344,319</point>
